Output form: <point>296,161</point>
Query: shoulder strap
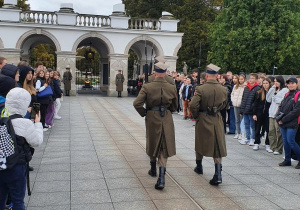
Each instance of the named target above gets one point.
<point>286,95</point>
<point>15,116</point>
<point>297,96</point>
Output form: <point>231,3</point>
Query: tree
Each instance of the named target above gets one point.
<point>21,3</point>
<point>44,53</point>
<point>254,35</point>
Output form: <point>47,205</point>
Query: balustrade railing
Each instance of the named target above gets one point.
<point>93,20</point>
<point>39,17</point>
<point>144,24</point>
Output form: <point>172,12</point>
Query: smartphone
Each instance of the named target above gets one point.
<point>35,109</point>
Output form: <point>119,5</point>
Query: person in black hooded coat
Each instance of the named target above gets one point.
<point>11,71</point>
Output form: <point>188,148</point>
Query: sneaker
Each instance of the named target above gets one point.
<point>240,137</point>
<point>57,117</point>
<point>251,143</point>
<point>285,163</point>
<point>236,136</point>
<point>244,142</point>
<point>256,147</point>
<point>268,149</point>
<point>45,129</point>
<point>276,153</point>
<point>181,113</point>
<point>297,166</point>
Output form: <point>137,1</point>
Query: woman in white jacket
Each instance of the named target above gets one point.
<point>236,98</point>
<point>274,96</point>
<point>13,181</point>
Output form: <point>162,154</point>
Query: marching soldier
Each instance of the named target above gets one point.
<point>160,98</point>
<point>119,83</point>
<point>206,105</point>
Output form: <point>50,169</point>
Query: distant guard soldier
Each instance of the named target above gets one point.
<point>160,98</point>
<point>211,97</point>
<point>67,80</point>
<point>119,83</point>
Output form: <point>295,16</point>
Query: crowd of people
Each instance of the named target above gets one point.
<point>255,106</point>
<point>30,99</point>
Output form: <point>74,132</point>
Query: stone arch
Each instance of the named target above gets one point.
<point>41,32</point>
<point>94,35</point>
<point>177,49</point>
<point>157,45</point>
<point>1,43</point>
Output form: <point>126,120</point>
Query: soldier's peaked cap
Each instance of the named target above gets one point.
<point>212,69</point>
<point>160,59</point>
<point>160,67</point>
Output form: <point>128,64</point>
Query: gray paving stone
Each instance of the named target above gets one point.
<point>115,165</point>
<point>183,204</point>
<point>119,173</point>
<point>122,183</point>
<point>49,199</point>
<point>217,204</point>
<point>255,203</point>
<point>85,167</point>
<point>237,190</point>
<point>269,189</point>
<point>88,185</point>
<point>53,186</point>
<point>50,208</point>
<point>294,188</point>
<point>102,206</point>
<point>56,160</point>
<point>135,205</point>
<point>203,191</point>
<point>86,175</point>
<point>89,197</point>
<point>135,194</point>
<point>53,176</point>
<point>286,202</point>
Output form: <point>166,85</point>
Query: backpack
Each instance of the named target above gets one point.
<point>296,96</point>
<point>9,151</point>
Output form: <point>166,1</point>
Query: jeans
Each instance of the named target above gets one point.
<point>243,129</point>
<point>237,117</point>
<point>289,143</point>
<point>232,120</point>
<point>13,182</point>
<point>262,122</point>
<point>249,126</point>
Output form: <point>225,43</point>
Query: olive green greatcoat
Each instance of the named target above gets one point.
<point>67,78</point>
<point>152,94</point>
<point>119,82</point>
<point>209,130</point>
<point>168,79</point>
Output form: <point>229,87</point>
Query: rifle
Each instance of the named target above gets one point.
<point>146,65</point>
<point>199,68</point>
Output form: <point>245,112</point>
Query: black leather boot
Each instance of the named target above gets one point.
<point>161,179</point>
<point>217,179</point>
<point>152,171</point>
<point>198,169</point>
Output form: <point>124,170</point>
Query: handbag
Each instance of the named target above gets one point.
<point>45,93</point>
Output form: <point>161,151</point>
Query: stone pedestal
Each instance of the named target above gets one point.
<point>65,59</point>
<point>12,55</point>
<point>117,62</point>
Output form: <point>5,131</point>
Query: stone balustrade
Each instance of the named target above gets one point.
<point>144,24</point>
<point>93,20</point>
<point>39,17</point>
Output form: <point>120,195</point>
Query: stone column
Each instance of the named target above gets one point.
<point>117,62</point>
<point>64,59</point>
<point>12,55</point>
<point>171,61</point>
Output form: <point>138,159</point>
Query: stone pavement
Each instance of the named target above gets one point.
<point>94,159</point>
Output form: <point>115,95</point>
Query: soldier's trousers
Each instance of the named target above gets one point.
<point>162,161</point>
<point>200,157</point>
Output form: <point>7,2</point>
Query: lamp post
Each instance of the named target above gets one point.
<point>274,68</point>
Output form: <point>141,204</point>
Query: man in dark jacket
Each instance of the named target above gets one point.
<point>247,109</point>
<point>187,94</point>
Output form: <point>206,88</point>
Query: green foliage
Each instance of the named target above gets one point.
<point>86,65</point>
<point>21,3</point>
<point>254,35</point>
<point>195,18</point>
<point>44,53</point>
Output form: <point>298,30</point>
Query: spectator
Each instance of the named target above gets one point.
<point>261,77</point>
<point>298,78</point>
<point>50,107</point>
<point>275,96</point>
<point>40,86</point>
<point>11,71</point>
<point>289,122</point>
<point>180,93</point>
<point>39,66</point>
<point>247,109</point>
<point>229,76</point>
<point>3,62</point>
<point>57,94</point>
<point>6,84</point>
<point>223,80</point>
<point>178,85</point>
<point>261,114</point>
<point>23,63</point>
<point>236,98</point>
<point>13,180</point>
<point>187,94</point>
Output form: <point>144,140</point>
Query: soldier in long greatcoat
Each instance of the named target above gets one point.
<point>160,98</point>
<point>160,59</point>
<point>119,83</point>
<point>210,99</point>
<point>67,80</point>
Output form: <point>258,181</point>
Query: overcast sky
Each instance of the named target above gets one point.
<point>98,7</point>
